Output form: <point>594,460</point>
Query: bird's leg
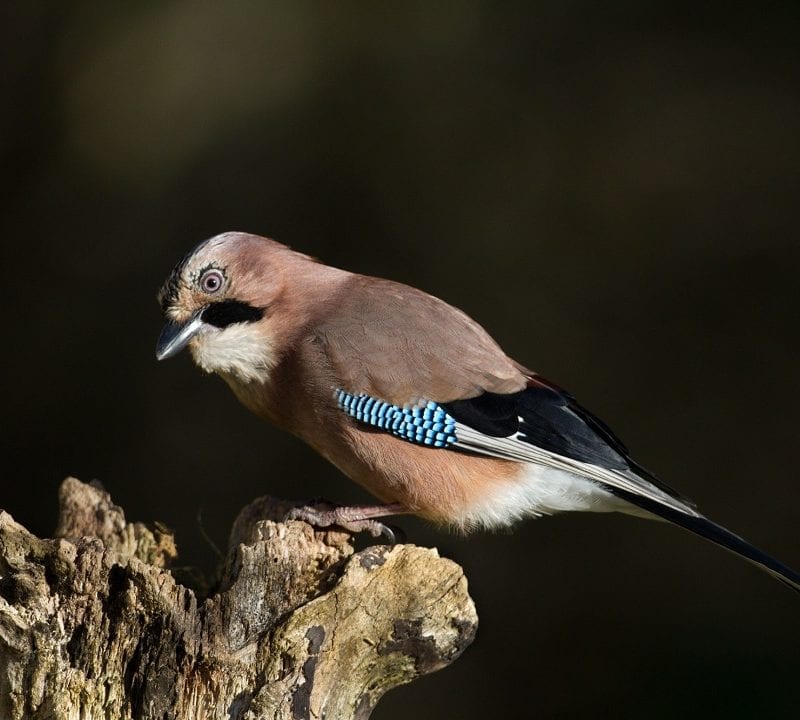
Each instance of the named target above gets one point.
<point>355,518</point>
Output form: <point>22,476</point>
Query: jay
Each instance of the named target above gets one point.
<point>406,395</point>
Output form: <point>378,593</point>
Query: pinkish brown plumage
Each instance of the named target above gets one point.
<point>406,395</point>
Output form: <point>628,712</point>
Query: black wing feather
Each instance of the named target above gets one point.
<point>550,418</point>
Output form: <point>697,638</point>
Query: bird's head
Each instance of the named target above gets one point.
<point>219,301</point>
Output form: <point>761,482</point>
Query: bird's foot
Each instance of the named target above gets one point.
<point>353,518</point>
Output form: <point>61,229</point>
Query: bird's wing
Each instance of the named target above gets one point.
<point>403,348</point>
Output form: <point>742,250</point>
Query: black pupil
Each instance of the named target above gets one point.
<point>211,281</point>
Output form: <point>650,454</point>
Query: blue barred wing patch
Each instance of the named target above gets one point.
<point>428,424</point>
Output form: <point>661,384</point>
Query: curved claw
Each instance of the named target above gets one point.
<point>394,534</point>
<point>386,532</point>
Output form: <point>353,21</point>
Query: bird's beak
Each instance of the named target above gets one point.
<point>175,336</point>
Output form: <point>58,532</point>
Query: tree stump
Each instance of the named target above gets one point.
<point>94,625</point>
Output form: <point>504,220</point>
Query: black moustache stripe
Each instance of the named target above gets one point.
<point>227,312</point>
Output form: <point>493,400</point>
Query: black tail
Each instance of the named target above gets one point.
<point>716,534</point>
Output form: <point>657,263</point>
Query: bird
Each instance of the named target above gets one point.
<point>407,396</point>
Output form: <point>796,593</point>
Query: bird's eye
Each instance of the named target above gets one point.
<point>211,281</point>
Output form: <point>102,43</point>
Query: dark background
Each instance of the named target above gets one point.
<point>611,191</point>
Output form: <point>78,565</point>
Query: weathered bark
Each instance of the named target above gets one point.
<point>93,624</point>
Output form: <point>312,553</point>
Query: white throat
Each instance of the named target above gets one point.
<point>240,350</point>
